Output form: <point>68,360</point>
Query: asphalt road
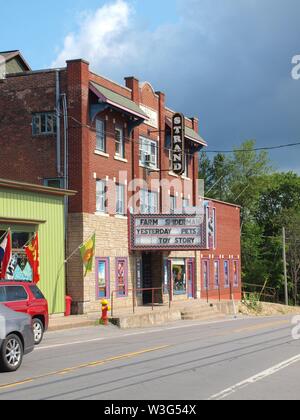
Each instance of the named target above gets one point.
<point>236,359</point>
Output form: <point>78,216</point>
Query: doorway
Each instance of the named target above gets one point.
<point>147,278</point>
<point>191,278</point>
<point>152,277</point>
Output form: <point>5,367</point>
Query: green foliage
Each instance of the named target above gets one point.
<point>252,302</point>
<point>269,200</point>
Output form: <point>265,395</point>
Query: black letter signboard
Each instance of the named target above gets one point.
<point>178,152</point>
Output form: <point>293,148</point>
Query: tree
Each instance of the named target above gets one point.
<point>291,219</point>
<point>269,201</point>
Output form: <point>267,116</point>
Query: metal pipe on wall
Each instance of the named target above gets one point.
<point>58,134</point>
<point>66,169</point>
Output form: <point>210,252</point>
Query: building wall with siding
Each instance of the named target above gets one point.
<point>37,206</point>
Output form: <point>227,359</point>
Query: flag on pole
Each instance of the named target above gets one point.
<point>32,252</point>
<point>5,254</point>
<point>87,251</point>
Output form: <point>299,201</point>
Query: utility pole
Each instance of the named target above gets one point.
<point>285,267</point>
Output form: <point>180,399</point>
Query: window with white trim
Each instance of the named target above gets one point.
<point>101,192</point>
<point>120,146</point>
<point>100,135</point>
<point>173,203</point>
<point>148,153</point>
<point>120,199</point>
<point>186,165</point>
<point>148,202</point>
<point>185,203</point>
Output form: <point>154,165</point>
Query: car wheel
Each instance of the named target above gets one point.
<point>38,331</point>
<point>11,354</point>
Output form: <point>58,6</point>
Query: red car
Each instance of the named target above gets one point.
<point>26,298</point>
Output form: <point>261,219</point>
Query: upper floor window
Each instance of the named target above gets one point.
<point>185,203</point>
<point>120,146</point>
<point>186,165</point>
<point>100,136</point>
<point>173,204</point>
<point>148,153</point>
<point>101,197</point>
<point>43,123</point>
<point>149,202</point>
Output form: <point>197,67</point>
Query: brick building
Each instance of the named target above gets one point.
<point>74,129</point>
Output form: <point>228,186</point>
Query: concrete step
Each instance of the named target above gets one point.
<point>211,317</point>
<point>201,312</point>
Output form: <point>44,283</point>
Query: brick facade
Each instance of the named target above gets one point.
<point>34,158</point>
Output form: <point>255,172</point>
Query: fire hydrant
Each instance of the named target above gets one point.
<point>105,309</point>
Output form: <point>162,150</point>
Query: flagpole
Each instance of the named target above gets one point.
<point>74,252</point>
<point>4,234</point>
<point>28,242</point>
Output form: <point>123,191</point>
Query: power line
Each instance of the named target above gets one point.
<point>256,149</point>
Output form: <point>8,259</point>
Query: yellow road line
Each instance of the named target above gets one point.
<point>262,326</point>
<point>27,381</point>
<point>86,365</point>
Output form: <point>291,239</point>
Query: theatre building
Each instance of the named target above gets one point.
<point>114,144</point>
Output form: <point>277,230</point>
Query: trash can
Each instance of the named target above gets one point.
<point>68,305</point>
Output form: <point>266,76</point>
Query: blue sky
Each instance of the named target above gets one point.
<point>226,61</point>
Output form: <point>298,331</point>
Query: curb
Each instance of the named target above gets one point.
<point>72,326</point>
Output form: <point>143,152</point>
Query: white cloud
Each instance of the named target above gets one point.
<point>101,36</point>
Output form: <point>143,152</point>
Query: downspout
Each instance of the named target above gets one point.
<point>66,169</point>
<point>58,134</point>
<point>66,151</point>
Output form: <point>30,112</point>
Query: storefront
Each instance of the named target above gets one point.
<point>27,209</point>
<point>170,247</point>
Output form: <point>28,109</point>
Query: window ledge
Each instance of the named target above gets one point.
<point>43,135</point>
<point>101,214</point>
<point>99,153</point>
<point>149,168</point>
<point>186,178</point>
<point>118,158</point>
<point>120,216</point>
<point>172,174</point>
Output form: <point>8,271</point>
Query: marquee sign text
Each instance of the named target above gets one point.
<point>167,232</point>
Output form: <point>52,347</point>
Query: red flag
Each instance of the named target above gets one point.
<point>6,244</point>
<point>32,252</point>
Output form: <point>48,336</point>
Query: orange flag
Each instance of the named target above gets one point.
<point>32,252</point>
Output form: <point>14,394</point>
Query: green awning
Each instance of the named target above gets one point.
<point>118,101</point>
<point>194,136</point>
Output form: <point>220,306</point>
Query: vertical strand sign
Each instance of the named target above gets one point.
<point>178,150</point>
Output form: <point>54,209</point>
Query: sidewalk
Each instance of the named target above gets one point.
<point>144,316</point>
<point>71,322</point>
